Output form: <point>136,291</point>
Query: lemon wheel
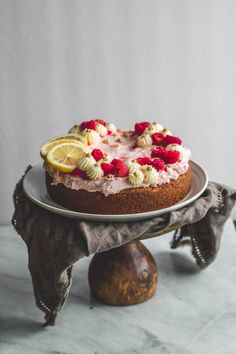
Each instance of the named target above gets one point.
<point>65,156</point>
<point>66,138</point>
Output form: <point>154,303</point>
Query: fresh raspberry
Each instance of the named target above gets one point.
<point>170,139</point>
<point>97,154</point>
<point>159,165</point>
<point>157,138</point>
<point>158,152</point>
<point>168,156</point>
<point>101,121</point>
<point>140,127</point>
<point>171,156</point>
<point>78,173</point>
<point>84,125</point>
<point>114,162</point>
<point>144,161</point>
<point>91,124</point>
<point>107,168</point>
<point>121,170</point>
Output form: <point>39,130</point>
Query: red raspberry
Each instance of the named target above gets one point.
<point>107,168</point>
<point>114,162</point>
<point>140,127</point>
<point>168,156</point>
<point>121,170</point>
<point>101,121</point>
<point>157,138</point>
<point>91,124</point>
<point>78,173</point>
<point>159,164</point>
<point>171,156</point>
<point>144,161</point>
<point>158,152</point>
<point>170,139</point>
<point>84,125</point>
<point>97,154</point>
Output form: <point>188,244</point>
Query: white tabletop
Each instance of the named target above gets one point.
<point>192,311</point>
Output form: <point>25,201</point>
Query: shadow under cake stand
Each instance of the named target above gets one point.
<point>127,274</point>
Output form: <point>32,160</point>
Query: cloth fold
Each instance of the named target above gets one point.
<point>55,243</point>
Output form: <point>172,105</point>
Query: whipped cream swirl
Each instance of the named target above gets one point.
<point>86,162</point>
<point>95,172</point>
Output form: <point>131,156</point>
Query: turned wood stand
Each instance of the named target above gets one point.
<point>125,275</point>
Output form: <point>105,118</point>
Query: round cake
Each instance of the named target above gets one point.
<point>96,168</point>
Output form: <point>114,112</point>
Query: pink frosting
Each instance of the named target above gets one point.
<point>124,149</point>
<point>121,147</point>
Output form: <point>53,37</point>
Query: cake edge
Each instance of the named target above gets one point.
<point>127,201</point>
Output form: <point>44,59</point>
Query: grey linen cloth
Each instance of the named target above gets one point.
<point>55,243</point>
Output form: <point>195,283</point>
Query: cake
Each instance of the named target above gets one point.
<point>96,168</point>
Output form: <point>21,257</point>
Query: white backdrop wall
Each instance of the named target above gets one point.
<point>124,61</point>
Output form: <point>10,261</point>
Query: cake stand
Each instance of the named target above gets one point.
<point>127,274</point>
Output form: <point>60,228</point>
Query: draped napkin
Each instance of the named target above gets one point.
<point>55,242</point>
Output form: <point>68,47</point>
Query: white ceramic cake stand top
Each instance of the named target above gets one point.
<point>35,187</point>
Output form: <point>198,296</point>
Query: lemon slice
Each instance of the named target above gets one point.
<point>65,156</point>
<point>46,147</point>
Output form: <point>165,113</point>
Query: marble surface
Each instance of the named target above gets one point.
<point>192,312</point>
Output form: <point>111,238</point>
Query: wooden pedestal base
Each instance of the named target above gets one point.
<point>122,276</point>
